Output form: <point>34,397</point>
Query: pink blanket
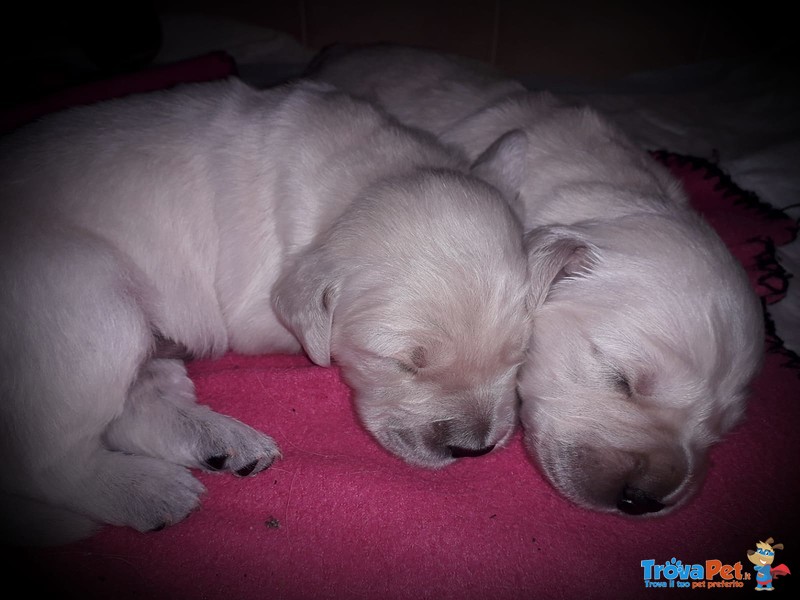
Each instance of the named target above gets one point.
<point>338,517</point>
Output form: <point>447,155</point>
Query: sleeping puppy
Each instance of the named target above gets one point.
<point>214,217</point>
<point>649,332</point>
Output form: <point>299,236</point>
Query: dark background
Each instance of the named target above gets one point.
<point>46,47</point>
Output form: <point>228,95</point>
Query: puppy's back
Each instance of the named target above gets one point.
<point>423,89</point>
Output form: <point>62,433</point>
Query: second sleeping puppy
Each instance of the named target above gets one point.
<point>644,347</point>
<point>211,218</point>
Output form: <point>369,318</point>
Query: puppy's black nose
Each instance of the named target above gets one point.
<point>634,501</point>
<point>457,452</point>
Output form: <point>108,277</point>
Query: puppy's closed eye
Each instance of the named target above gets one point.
<point>407,367</point>
<point>417,359</point>
<point>621,383</point>
<point>639,387</point>
<point>615,377</point>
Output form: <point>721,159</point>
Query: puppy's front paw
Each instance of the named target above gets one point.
<point>165,502</point>
<point>162,419</point>
<point>229,445</point>
<point>145,493</point>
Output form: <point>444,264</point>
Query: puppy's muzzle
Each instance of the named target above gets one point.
<point>441,442</point>
<point>633,483</point>
<point>657,480</point>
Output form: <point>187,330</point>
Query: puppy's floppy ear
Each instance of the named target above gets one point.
<point>304,298</point>
<point>503,165</point>
<point>556,252</point>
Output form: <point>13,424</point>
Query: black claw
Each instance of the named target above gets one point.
<point>217,462</point>
<point>247,469</point>
<point>158,527</point>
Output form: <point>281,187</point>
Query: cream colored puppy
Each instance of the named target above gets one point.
<point>644,347</point>
<point>214,217</point>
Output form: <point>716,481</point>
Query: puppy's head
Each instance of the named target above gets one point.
<point>646,335</point>
<point>418,292</point>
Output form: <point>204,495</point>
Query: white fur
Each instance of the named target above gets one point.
<point>213,218</point>
<point>648,333</point>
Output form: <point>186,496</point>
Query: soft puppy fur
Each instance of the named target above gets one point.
<point>648,333</point>
<point>214,217</point>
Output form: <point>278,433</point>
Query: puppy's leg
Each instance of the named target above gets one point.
<point>161,419</point>
<point>74,338</point>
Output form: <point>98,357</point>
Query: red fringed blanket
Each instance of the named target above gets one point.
<point>338,517</point>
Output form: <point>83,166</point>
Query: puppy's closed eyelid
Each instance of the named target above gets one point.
<point>622,384</point>
<point>417,360</point>
<point>618,379</point>
<point>406,368</point>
